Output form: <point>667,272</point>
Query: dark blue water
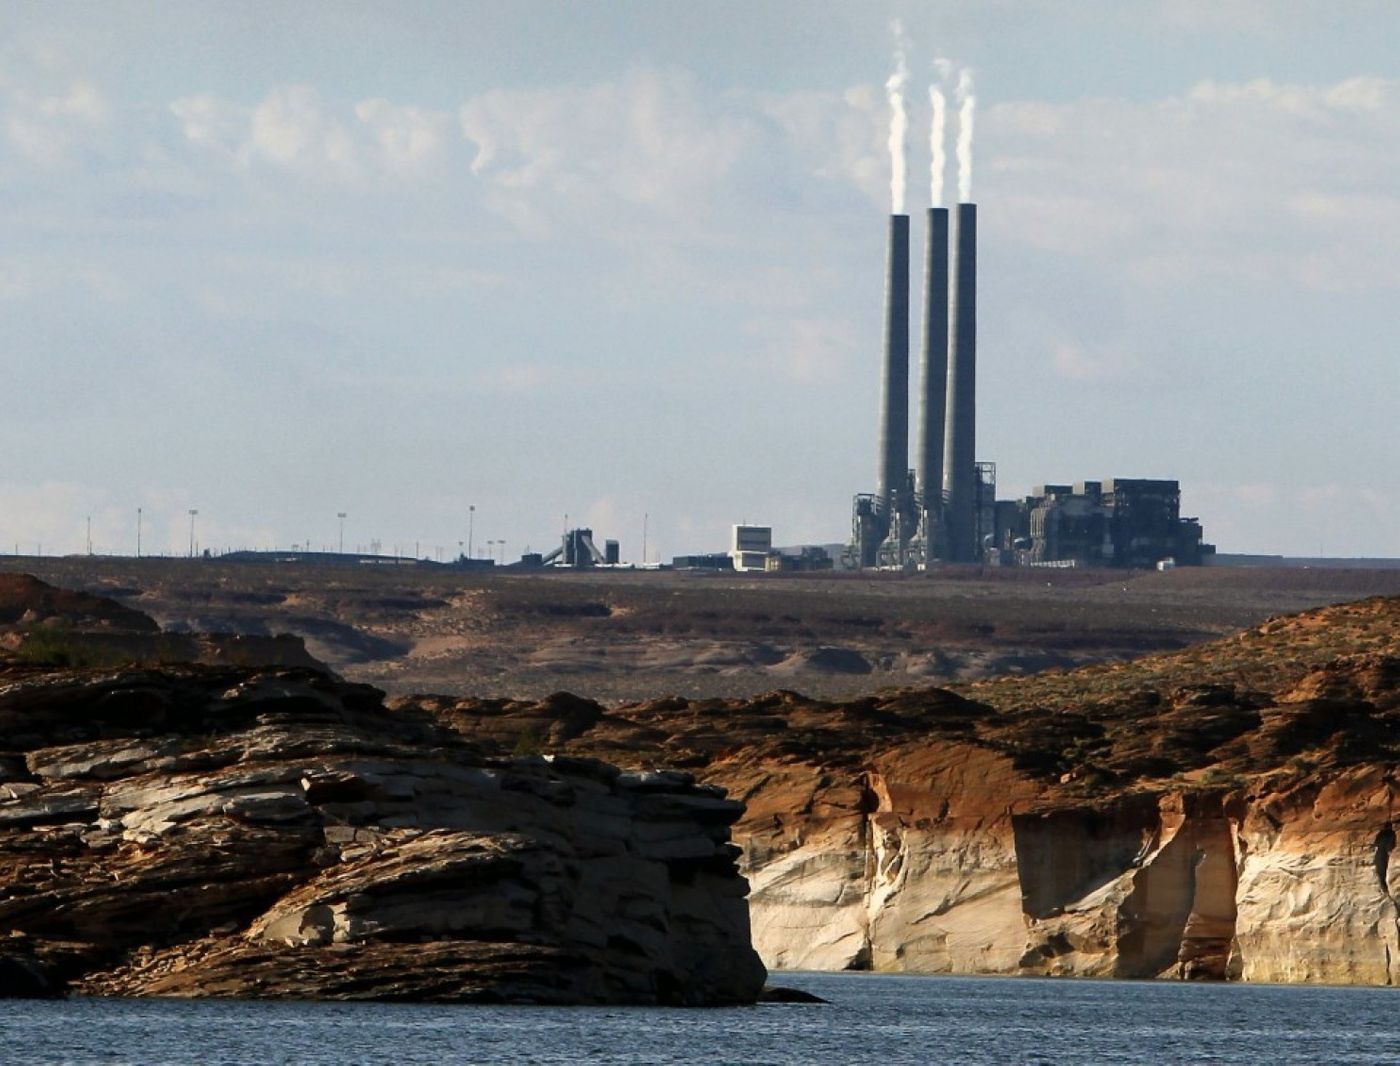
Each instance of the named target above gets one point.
<point>871,1018</point>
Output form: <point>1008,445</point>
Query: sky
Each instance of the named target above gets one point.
<point>621,265</point>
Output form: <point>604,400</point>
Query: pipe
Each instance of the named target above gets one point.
<point>960,435</point>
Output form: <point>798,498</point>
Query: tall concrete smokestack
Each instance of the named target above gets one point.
<point>894,392</point>
<point>934,369</point>
<point>960,435</point>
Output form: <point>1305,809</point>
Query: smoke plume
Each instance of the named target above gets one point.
<point>899,123</point>
<point>935,139</point>
<point>967,105</point>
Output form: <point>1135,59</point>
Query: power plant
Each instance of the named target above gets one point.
<point>931,512</point>
<point>945,509</point>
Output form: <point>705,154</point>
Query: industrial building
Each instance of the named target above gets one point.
<point>1119,522</point>
<point>750,547</point>
<point>945,509</point>
<point>577,551</point>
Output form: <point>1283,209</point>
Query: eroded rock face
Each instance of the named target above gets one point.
<point>1203,831</point>
<point>203,831</point>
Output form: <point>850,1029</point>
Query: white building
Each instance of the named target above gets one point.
<point>750,547</point>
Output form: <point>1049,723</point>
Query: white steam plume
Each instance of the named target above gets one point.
<point>967,105</point>
<point>899,123</point>
<point>935,139</point>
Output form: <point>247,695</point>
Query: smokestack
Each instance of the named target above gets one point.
<point>960,436</point>
<point>894,393</point>
<point>934,369</point>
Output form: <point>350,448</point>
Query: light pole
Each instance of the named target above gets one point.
<point>503,551</point>
<point>89,534</point>
<point>491,549</point>
<point>193,512</point>
<point>471,522</point>
<point>138,532</point>
<point>341,516</point>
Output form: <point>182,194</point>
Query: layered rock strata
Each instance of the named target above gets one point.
<point>1143,829</point>
<point>194,831</point>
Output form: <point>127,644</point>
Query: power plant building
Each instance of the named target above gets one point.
<point>945,509</point>
<point>931,512</point>
<point>750,547</point>
<point>1121,522</point>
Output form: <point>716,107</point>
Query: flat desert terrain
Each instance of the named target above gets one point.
<point>620,636</point>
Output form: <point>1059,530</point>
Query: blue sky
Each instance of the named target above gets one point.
<point>605,260</point>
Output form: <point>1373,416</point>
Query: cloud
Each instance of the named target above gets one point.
<point>1304,101</point>
<point>1259,182</point>
<point>294,130</point>
<point>209,122</point>
<point>810,351</point>
<point>409,139</point>
<point>649,141</point>
<point>48,130</point>
<point>291,128</point>
<point>836,137</point>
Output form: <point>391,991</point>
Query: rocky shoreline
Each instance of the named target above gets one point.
<point>1227,812</point>
<point>207,831</point>
<point>1114,823</point>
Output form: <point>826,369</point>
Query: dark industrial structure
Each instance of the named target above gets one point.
<point>945,509</point>
<point>1122,522</point>
<point>577,551</point>
<point>929,513</point>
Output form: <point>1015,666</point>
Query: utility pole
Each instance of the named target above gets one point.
<point>645,518</point>
<point>89,534</point>
<point>193,512</point>
<point>341,516</point>
<point>471,523</point>
<point>138,532</point>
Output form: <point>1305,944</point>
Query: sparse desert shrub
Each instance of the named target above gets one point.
<point>1218,776</point>
<point>57,646</point>
<point>527,743</point>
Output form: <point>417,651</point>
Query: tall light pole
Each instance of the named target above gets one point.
<point>89,534</point>
<point>341,516</point>
<point>138,532</point>
<point>503,551</point>
<point>471,523</point>
<point>193,512</point>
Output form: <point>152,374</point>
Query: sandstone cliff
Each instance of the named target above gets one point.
<point>1226,812</point>
<point>198,830</point>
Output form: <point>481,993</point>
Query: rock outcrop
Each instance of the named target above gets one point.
<point>196,830</point>
<point>44,625</point>
<point>1225,812</point>
<point>1119,822</point>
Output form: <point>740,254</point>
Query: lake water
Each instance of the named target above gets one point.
<point>871,1018</point>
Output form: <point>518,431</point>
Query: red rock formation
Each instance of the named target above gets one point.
<point>1132,826</point>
